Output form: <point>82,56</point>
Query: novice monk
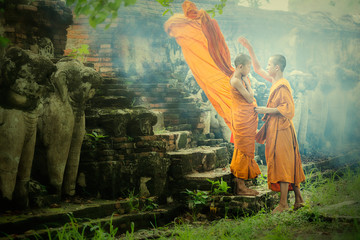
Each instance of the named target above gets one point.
<point>207,55</point>
<point>244,125</point>
<point>281,149</point>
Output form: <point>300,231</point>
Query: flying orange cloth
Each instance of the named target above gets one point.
<point>244,125</point>
<point>281,148</point>
<point>206,54</point>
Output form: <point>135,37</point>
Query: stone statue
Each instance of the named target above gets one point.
<point>24,80</point>
<point>300,82</point>
<point>62,125</point>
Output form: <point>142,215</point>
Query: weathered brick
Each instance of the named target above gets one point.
<point>105,69</point>
<point>105,46</point>
<point>120,139</point>
<point>27,7</point>
<point>78,36</point>
<point>123,145</point>
<point>148,138</point>
<point>101,64</point>
<point>91,59</point>
<point>106,59</point>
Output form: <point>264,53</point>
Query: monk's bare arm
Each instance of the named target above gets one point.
<point>255,62</point>
<point>266,110</point>
<point>248,93</point>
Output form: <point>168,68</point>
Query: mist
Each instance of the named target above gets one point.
<point>321,49</point>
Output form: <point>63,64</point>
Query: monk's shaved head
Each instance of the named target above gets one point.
<point>279,60</point>
<point>242,59</point>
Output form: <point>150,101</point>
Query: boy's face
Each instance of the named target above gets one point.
<point>244,69</point>
<point>271,68</point>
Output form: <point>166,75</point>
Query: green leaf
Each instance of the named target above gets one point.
<point>70,2</point>
<point>92,21</point>
<point>108,25</point>
<point>129,2</point>
<point>4,41</point>
<point>86,10</point>
<point>166,11</point>
<point>114,15</point>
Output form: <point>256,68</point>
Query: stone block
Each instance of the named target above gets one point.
<point>155,168</point>
<point>114,122</point>
<point>198,159</point>
<point>105,179</point>
<point>181,140</point>
<point>142,122</point>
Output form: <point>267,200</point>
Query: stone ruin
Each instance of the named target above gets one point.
<point>132,119</point>
<point>69,129</point>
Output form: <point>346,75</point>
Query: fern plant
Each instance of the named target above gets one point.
<point>219,187</point>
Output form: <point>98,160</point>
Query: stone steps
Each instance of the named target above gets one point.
<point>111,102</point>
<point>121,122</point>
<point>199,180</point>
<point>121,213</point>
<point>235,206</point>
<point>177,108</point>
<point>198,159</point>
<point>210,142</point>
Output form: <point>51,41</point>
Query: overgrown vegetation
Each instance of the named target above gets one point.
<point>218,187</point>
<point>140,204</point>
<point>96,138</point>
<point>317,220</point>
<point>75,230</point>
<point>196,200</point>
<point>80,53</point>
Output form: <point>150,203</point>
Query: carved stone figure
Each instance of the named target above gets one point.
<point>62,125</point>
<point>300,82</point>
<point>24,79</point>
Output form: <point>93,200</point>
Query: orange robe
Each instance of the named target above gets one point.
<point>244,125</point>
<point>207,55</point>
<point>281,147</point>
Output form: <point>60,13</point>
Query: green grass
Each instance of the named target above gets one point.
<point>302,224</point>
<point>328,197</point>
<point>306,223</point>
<point>310,222</point>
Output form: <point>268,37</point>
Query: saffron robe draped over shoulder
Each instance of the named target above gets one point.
<point>244,125</point>
<point>207,55</point>
<point>281,147</point>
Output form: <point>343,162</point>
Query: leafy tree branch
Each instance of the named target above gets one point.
<point>100,10</point>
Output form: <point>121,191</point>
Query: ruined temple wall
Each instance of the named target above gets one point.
<point>314,44</point>
<point>135,42</point>
<point>38,26</point>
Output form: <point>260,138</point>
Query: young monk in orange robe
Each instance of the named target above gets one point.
<point>281,149</point>
<point>208,57</point>
<point>244,126</point>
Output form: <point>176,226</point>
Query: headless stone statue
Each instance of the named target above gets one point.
<point>24,79</point>
<point>62,125</point>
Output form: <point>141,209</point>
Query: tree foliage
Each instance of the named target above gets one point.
<point>100,10</point>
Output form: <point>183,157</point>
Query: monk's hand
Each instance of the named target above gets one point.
<point>261,110</point>
<point>243,41</point>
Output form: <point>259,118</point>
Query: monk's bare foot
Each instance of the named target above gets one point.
<point>247,192</point>
<point>298,206</point>
<point>280,208</point>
